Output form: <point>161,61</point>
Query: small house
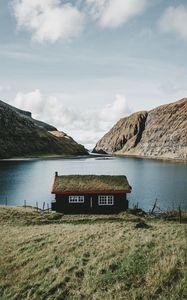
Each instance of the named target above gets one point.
<point>90,194</point>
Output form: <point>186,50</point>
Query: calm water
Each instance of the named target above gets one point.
<point>31,180</point>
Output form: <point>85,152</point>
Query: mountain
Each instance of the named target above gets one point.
<point>21,135</point>
<point>159,133</point>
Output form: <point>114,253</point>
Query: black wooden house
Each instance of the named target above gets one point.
<point>90,194</point>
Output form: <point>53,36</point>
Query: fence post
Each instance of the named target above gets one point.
<point>37,205</point>
<point>180,215</point>
<point>25,203</point>
<point>154,206</point>
<point>43,206</point>
<point>48,207</point>
<point>6,201</point>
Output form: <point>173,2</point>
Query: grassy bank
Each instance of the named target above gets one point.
<point>90,257</point>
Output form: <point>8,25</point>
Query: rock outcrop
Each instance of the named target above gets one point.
<point>159,133</point>
<point>21,135</point>
<point>124,135</point>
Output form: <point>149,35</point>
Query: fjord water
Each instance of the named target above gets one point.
<point>31,180</point>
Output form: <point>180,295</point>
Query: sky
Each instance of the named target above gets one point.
<point>81,65</point>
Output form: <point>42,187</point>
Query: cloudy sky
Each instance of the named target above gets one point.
<point>83,64</point>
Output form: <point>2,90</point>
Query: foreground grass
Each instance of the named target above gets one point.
<point>90,257</point>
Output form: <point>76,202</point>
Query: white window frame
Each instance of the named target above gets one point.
<point>76,199</point>
<point>106,200</point>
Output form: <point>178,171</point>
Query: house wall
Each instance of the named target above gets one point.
<point>62,205</point>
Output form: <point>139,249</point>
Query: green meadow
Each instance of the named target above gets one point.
<point>51,256</point>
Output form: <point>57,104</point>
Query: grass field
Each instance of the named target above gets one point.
<point>50,256</point>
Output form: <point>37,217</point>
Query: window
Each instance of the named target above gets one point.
<point>76,199</point>
<point>106,200</point>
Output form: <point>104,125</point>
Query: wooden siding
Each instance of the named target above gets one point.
<point>90,205</point>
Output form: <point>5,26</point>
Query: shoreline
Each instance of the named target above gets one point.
<point>95,155</point>
<point>131,210</point>
<point>162,159</point>
<point>51,157</point>
<point>43,157</point>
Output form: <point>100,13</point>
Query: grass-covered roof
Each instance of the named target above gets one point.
<point>88,183</point>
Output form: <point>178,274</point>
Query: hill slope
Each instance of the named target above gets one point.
<point>159,133</point>
<point>21,135</point>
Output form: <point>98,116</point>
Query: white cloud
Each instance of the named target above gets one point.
<point>30,101</point>
<point>116,110</point>
<point>46,108</point>
<point>48,20</point>
<point>112,14</point>
<point>85,126</point>
<point>174,19</point>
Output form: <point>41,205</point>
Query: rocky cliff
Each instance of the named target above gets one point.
<point>21,135</point>
<point>159,133</point>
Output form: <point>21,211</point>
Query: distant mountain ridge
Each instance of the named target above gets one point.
<point>159,133</point>
<point>21,135</point>
<point>29,115</point>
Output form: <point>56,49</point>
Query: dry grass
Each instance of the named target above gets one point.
<point>90,257</point>
<point>90,183</point>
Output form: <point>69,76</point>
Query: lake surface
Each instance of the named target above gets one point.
<point>31,180</point>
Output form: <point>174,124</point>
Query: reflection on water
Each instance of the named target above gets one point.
<point>31,180</point>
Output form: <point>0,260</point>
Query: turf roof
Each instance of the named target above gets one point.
<point>85,183</point>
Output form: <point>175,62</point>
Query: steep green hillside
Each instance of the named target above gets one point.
<point>20,135</point>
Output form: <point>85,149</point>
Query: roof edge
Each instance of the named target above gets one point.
<point>91,192</point>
